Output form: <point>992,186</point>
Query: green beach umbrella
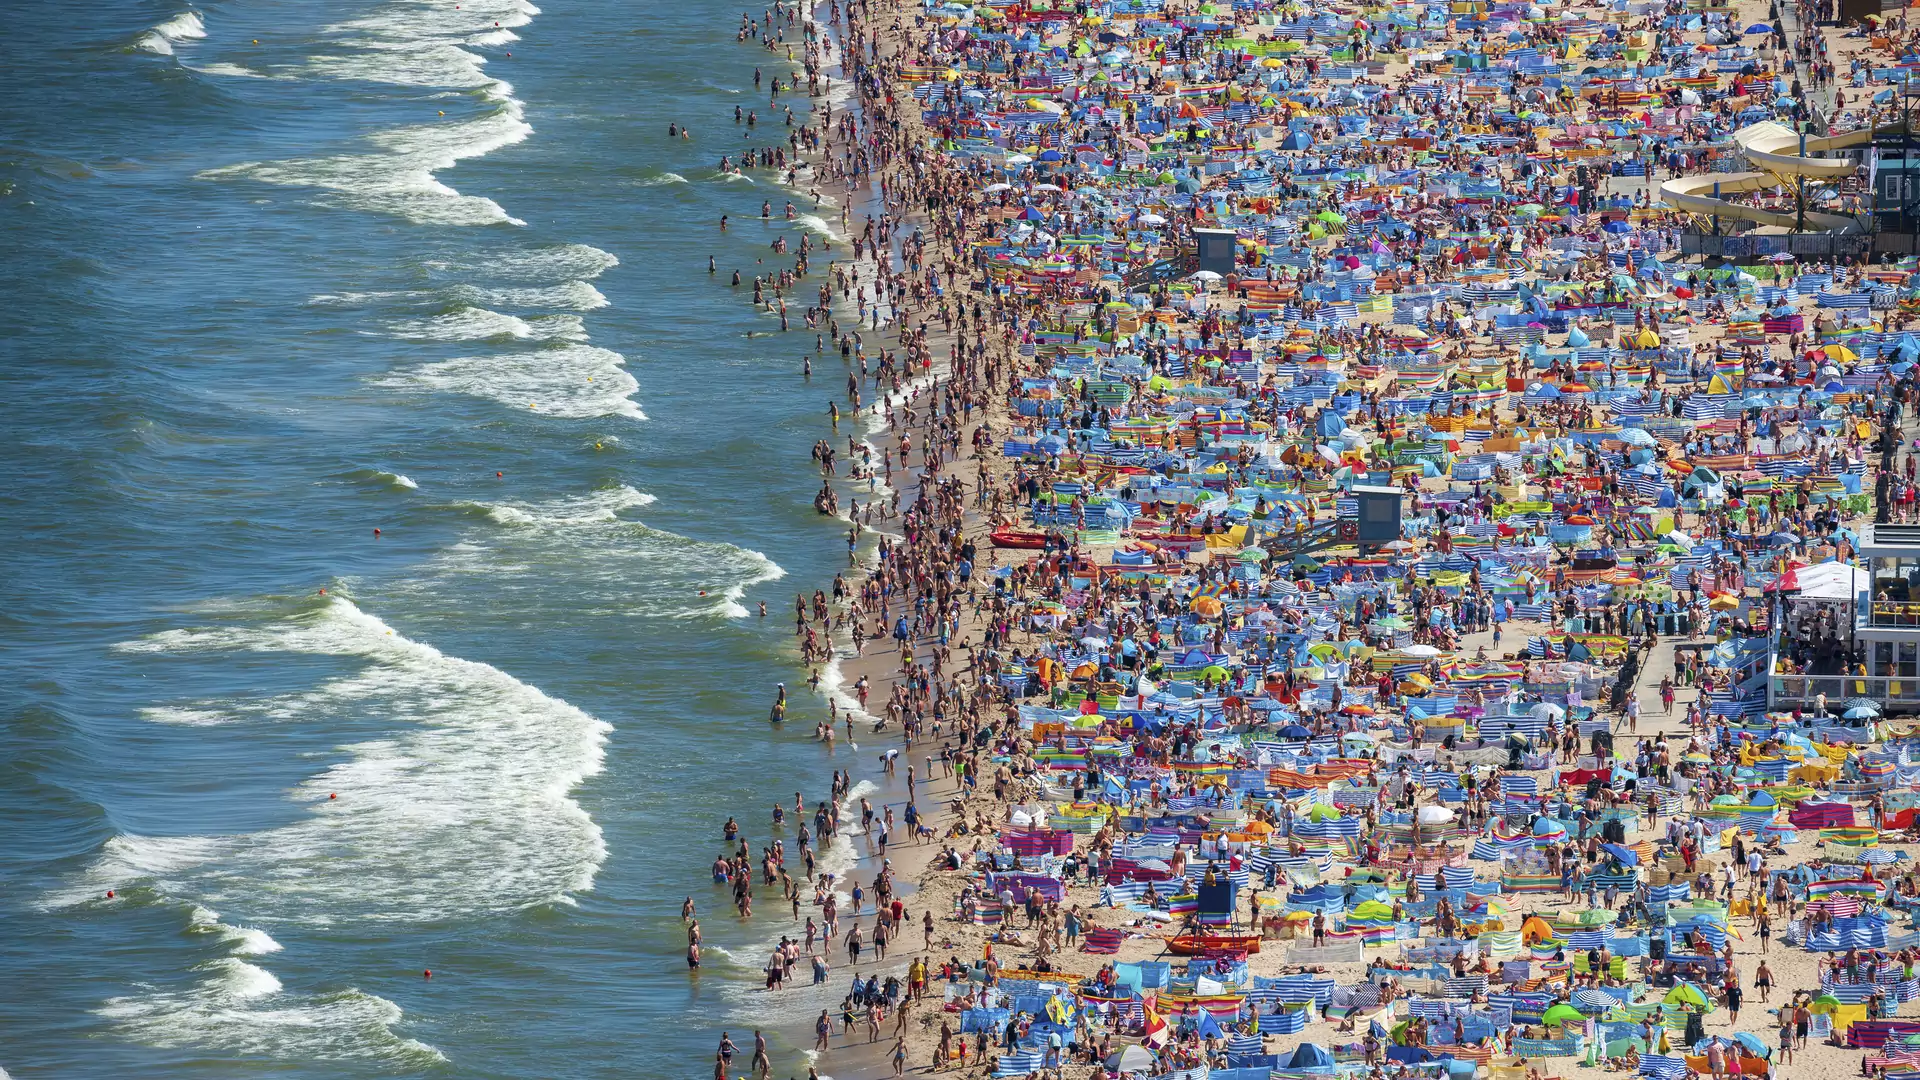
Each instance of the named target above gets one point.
<point>1685,993</point>
<point>1563,1013</point>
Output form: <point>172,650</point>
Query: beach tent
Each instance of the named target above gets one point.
<point>1309,1056</point>
<point>1535,929</point>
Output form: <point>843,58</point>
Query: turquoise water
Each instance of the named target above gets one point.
<point>285,274</point>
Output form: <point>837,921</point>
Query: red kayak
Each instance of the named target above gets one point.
<point>1201,944</point>
<point>1013,538</point>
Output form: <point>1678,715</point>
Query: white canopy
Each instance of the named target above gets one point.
<point>1832,581</point>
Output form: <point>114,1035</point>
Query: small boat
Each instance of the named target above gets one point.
<point>1013,538</point>
<point>1200,944</point>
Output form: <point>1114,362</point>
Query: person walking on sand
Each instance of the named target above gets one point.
<point>822,1029</point>
<point>853,945</point>
<point>899,1057</point>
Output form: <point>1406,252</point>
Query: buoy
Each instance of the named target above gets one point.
<point>109,894</point>
<point>499,474</point>
<point>509,54</point>
<point>596,446</point>
<point>323,592</point>
<point>427,973</point>
<point>443,112</point>
<point>376,532</point>
<point>333,795</point>
<point>256,41</point>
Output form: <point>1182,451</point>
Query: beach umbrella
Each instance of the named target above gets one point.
<point>1562,1013</point>
<point>1593,1001</point>
<point>1825,1003</point>
<point>1433,815</point>
<point>1206,607</point>
<point>1752,1044</point>
<point>1861,703</point>
<point>1130,1059</point>
<point>1685,993</point>
<point>1860,714</point>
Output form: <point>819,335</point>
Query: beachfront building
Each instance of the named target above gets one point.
<point>1868,619</point>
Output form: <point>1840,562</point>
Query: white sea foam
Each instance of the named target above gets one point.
<point>615,564</point>
<point>568,296</point>
<point>462,808</point>
<point>663,179</point>
<point>235,71</point>
<point>398,178</point>
<point>245,940</point>
<point>561,262</point>
<point>400,480</point>
<point>358,299</point>
<point>242,1009</point>
<point>765,570</point>
<point>594,508</point>
<point>412,44</point>
<point>817,224</point>
<point>182,27</point>
<point>481,324</point>
<point>572,381</point>
<point>160,40</point>
<point>186,717</point>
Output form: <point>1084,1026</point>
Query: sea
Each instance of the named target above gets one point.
<point>388,491</point>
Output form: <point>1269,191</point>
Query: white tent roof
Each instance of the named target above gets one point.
<point>1832,581</point>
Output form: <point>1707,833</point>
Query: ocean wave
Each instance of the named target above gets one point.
<point>399,480</point>
<point>577,382</point>
<point>234,71</point>
<point>479,324</point>
<point>560,262</point>
<point>160,40</point>
<point>817,224</point>
<point>361,299</point>
<point>613,564</point>
<point>662,180</point>
<point>245,940</point>
<point>183,716</point>
<point>463,809</point>
<point>399,178</point>
<point>594,508</point>
<point>569,296</point>
<point>759,571</point>
<point>240,1008</point>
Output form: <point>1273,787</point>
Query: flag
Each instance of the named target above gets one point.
<point>1156,1031</point>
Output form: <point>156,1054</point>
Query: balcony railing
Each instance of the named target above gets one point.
<point>1895,691</point>
<point>1894,614</point>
